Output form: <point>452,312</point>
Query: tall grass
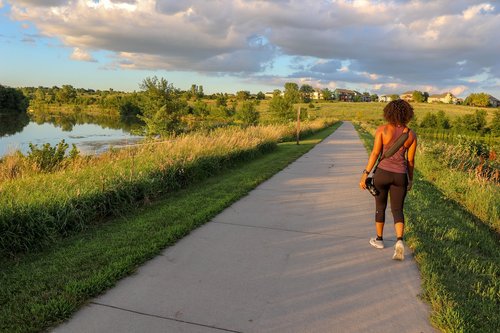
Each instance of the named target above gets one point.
<point>37,207</point>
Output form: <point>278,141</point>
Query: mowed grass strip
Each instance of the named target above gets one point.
<point>458,257</point>
<point>40,290</point>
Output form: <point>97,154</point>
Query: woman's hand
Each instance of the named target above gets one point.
<point>362,184</point>
<point>410,185</point>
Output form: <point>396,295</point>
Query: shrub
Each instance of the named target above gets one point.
<point>47,158</point>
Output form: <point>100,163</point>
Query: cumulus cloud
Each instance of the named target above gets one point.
<point>419,42</point>
<point>81,55</point>
<point>42,3</point>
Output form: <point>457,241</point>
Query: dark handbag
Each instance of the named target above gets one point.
<point>370,182</point>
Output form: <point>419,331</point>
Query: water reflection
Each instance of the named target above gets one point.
<point>12,124</point>
<point>90,133</point>
<point>67,121</point>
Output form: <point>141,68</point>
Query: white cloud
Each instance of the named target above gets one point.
<point>415,42</point>
<point>458,90</point>
<point>81,55</point>
<point>474,11</point>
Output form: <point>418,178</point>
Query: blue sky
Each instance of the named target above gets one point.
<point>224,45</point>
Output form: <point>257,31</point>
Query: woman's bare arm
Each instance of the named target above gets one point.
<point>377,148</point>
<point>411,156</point>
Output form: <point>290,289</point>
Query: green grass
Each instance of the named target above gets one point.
<point>457,253</point>
<point>40,290</point>
<point>373,111</point>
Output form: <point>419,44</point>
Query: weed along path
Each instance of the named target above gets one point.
<point>292,256</point>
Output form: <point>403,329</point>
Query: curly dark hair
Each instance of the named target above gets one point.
<point>398,112</point>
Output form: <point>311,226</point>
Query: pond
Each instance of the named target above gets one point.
<point>90,134</point>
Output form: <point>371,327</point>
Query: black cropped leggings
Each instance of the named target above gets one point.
<point>394,184</point>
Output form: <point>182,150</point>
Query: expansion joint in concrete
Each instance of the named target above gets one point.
<point>288,230</point>
<point>165,318</point>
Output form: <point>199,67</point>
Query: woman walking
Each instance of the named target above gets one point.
<point>394,175</point>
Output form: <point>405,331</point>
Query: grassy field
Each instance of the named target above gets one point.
<point>451,221</point>
<point>41,289</point>
<point>373,111</point>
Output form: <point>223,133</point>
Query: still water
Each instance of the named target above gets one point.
<point>90,134</point>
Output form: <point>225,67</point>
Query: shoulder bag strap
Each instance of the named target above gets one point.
<point>394,148</point>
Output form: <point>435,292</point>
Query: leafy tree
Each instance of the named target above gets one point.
<point>418,96</point>
<point>481,100</point>
<point>475,122</point>
<point>129,109</point>
<point>429,121</point>
<point>232,108</point>
<point>66,94</point>
<point>39,95</point>
<point>221,100</point>
<point>194,90</point>
<point>261,95</point>
<point>426,96</point>
<point>327,94</point>
<point>201,109</point>
<point>281,109</point>
<point>292,94</point>
<point>394,97</point>
<point>247,114</point>
<point>12,100</point>
<point>243,95</point>
<point>495,124</point>
<point>305,92</point>
<point>162,108</point>
<point>200,94</point>
<point>374,97</point>
<point>435,120</point>
<point>442,121</point>
<point>220,112</point>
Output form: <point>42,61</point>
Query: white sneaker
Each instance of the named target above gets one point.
<point>399,251</point>
<point>379,244</point>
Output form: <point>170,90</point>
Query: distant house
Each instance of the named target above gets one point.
<point>494,102</point>
<point>359,97</point>
<point>366,98</point>
<point>385,98</point>
<point>317,94</point>
<point>344,95</point>
<point>407,96</point>
<point>270,94</point>
<point>447,98</point>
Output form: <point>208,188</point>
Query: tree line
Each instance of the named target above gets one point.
<point>475,122</point>
<point>12,101</point>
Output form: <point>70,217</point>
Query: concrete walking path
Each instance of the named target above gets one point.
<point>292,256</point>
